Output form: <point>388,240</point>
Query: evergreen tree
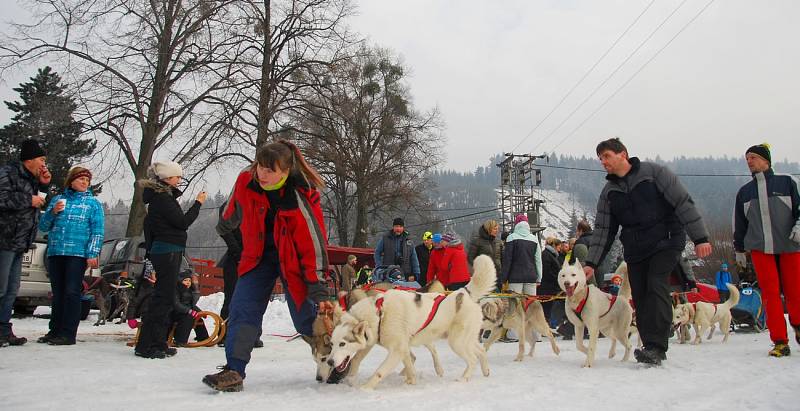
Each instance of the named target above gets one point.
<point>46,114</point>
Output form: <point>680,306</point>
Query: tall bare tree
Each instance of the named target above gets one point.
<point>289,43</point>
<point>361,130</point>
<point>150,75</point>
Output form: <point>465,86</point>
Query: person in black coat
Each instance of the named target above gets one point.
<point>549,285</point>
<point>165,237</point>
<point>185,311</point>
<point>423,251</point>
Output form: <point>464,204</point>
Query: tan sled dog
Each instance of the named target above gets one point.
<point>523,315</point>
<point>398,320</point>
<point>702,315</point>
<point>588,306</point>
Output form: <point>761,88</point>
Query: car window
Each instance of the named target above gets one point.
<point>106,251</point>
<point>119,251</point>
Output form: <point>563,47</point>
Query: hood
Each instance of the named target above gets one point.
<point>482,233</point>
<point>153,187</point>
<point>70,193</point>
<point>522,231</point>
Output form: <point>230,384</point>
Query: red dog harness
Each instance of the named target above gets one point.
<point>579,309</point>
<point>438,300</point>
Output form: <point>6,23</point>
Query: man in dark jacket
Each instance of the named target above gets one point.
<point>655,212</point>
<point>767,223</point>
<point>485,242</point>
<point>549,286</point>
<point>20,182</point>
<point>423,252</point>
<point>395,248</point>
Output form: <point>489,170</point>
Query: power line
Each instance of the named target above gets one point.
<point>634,74</point>
<point>580,81</point>
<point>594,170</point>
<point>603,83</point>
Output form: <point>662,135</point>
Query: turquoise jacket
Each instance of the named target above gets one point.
<point>78,230</point>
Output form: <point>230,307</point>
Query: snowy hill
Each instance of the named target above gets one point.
<point>101,373</point>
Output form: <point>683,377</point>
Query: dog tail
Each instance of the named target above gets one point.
<point>484,279</point>
<point>734,298</point>
<point>625,288</point>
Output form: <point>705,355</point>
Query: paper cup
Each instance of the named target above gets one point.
<point>63,201</point>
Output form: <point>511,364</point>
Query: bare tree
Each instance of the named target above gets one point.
<point>150,75</point>
<point>361,131</point>
<point>289,43</point>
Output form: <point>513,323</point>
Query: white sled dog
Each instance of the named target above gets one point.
<point>522,315</point>
<point>588,306</point>
<point>398,320</point>
<point>702,315</point>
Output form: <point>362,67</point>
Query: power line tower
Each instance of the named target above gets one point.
<point>520,190</point>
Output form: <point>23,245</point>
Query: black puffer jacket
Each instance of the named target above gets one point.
<point>550,269</point>
<point>185,299</point>
<point>18,219</point>
<point>482,243</point>
<point>166,222</point>
<point>654,210</point>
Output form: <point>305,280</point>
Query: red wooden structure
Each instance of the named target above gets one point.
<point>211,280</point>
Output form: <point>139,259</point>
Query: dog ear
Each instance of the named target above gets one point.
<point>337,314</point>
<point>361,329</point>
<point>565,265</point>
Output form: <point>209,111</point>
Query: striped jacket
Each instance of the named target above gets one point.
<point>766,210</point>
<point>654,210</point>
<point>299,232</point>
<point>78,230</point>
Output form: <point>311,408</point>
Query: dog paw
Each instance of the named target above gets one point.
<point>519,358</point>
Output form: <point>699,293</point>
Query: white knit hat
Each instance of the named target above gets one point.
<point>167,169</point>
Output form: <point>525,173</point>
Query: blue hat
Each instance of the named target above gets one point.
<point>437,238</point>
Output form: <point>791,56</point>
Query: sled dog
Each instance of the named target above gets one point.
<point>588,306</point>
<point>398,320</point>
<point>702,315</point>
<point>522,315</point>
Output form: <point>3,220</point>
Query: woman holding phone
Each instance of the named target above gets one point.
<point>165,236</point>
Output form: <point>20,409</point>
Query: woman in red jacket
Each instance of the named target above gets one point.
<point>450,263</point>
<point>276,205</point>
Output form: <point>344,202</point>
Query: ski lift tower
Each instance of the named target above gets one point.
<point>520,190</point>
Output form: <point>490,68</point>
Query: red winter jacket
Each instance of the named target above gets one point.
<point>299,232</point>
<point>449,265</point>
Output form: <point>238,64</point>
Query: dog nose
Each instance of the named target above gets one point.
<point>330,362</point>
<point>319,378</point>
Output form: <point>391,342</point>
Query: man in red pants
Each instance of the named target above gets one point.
<point>767,223</point>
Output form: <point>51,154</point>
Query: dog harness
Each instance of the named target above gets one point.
<point>438,300</point>
<point>694,306</point>
<point>579,309</point>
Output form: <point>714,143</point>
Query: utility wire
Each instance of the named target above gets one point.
<point>634,74</point>
<point>580,81</point>
<point>594,170</point>
<point>603,83</point>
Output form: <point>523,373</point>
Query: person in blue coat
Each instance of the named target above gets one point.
<point>721,278</point>
<point>74,221</point>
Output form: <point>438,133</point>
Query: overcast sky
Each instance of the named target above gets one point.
<point>496,69</point>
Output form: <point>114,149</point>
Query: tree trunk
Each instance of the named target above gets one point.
<point>265,92</point>
<point>362,224</point>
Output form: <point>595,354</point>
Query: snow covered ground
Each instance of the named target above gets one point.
<point>101,373</point>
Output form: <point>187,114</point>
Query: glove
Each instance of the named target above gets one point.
<point>132,323</point>
<point>318,292</point>
<point>193,313</point>
<point>741,259</point>
<point>795,234</point>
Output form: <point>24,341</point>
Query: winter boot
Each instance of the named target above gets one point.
<point>14,340</point>
<point>45,338</point>
<point>60,341</point>
<point>226,380</point>
<point>780,350</point>
<point>649,355</point>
